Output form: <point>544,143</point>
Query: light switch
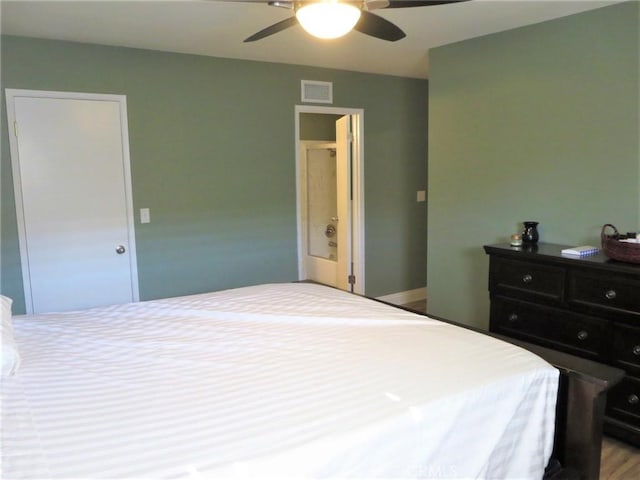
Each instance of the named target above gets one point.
<point>421,196</point>
<point>145,215</point>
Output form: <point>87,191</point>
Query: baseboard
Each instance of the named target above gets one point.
<point>408,296</point>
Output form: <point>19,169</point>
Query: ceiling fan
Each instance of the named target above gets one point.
<point>335,18</point>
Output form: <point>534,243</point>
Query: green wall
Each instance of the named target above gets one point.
<point>538,123</point>
<point>213,156</point>
<point>318,126</point>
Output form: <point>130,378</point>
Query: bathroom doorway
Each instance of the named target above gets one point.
<point>330,196</point>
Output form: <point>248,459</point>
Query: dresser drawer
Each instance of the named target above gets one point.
<point>623,401</point>
<point>626,348</point>
<point>604,291</point>
<point>572,333</point>
<point>526,279</point>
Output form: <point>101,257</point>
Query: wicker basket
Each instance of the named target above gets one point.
<point>617,250</point>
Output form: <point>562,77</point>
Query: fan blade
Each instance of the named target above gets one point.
<point>419,3</point>
<point>281,4</point>
<point>275,28</point>
<point>375,26</point>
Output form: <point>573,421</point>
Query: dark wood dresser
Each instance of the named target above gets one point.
<point>589,307</point>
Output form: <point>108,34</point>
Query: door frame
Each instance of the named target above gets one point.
<point>357,186</point>
<point>10,95</point>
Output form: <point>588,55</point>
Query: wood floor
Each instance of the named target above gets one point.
<point>420,306</point>
<point>619,461</point>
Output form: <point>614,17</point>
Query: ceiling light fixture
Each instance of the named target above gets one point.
<point>328,18</point>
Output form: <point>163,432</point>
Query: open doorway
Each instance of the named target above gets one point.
<point>330,196</point>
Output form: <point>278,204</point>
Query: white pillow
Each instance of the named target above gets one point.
<point>10,355</point>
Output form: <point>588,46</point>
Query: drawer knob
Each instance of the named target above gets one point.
<point>633,399</point>
<point>527,278</point>
<point>582,335</point>
<point>610,294</point>
<point>636,350</point>
<point>513,317</point>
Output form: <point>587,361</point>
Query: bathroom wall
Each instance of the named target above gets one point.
<point>321,200</point>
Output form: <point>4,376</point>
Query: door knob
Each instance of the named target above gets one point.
<point>330,231</point>
<point>120,249</point>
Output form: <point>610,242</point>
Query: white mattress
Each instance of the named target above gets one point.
<point>282,380</point>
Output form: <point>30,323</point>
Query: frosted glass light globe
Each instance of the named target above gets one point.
<point>328,19</point>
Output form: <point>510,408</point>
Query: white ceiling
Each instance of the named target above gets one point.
<point>218,27</point>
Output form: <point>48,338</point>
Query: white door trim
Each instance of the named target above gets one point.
<point>10,95</point>
<point>358,239</point>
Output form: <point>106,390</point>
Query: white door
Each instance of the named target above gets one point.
<point>73,199</point>
<point>343,182</point>
<point>326,184</point>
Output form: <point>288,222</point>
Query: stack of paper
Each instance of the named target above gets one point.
<point>581,251</point>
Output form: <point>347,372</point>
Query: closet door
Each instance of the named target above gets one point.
<point>71,177</point>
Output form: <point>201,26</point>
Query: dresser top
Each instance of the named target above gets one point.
<point>551,252</point>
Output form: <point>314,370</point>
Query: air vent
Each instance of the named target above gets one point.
<point>317,92</point>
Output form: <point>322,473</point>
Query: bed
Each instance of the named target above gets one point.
<point>270,381</point>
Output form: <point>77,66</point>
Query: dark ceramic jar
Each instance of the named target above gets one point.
<point>530,232</point>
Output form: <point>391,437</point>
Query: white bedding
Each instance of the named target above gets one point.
<point>282,380</point>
